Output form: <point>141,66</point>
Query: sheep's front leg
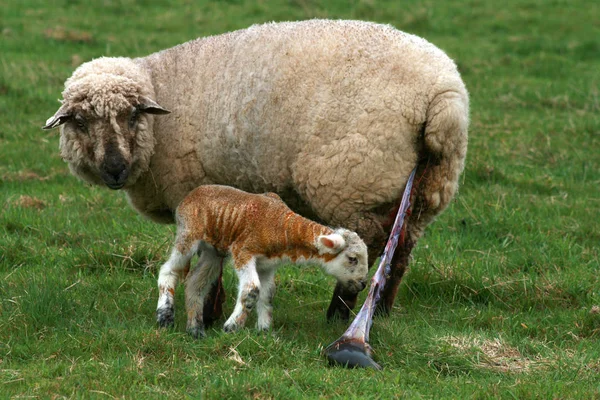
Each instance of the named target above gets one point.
<point>197,286</point>
<point>167,280</point>
<point>248,292</point>
<point>265,298</point>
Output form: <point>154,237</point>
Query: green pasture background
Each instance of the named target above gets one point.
<point>502,299</point>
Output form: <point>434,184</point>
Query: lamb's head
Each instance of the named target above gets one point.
<point>106,120</point>
<point>350,262</point>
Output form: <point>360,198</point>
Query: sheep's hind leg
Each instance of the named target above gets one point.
<point>248,293</point>
<point>167,280</point>
<point>398,266</point>
<point>197,286</point>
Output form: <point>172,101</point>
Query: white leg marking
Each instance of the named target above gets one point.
<point>264,307</point>
<point>248,290</point>
<point>167,280</point>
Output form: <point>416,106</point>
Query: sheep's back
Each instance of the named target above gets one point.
<point>318,104</point>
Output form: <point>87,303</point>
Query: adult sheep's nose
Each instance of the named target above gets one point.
<point>114,168</point>
<point>115,172</point>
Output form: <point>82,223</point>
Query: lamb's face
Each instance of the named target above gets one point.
<point>350,267</point>
<point>106,130</point>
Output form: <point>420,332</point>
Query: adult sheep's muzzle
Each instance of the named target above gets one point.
<point>114,171</point>
<point>115,178</point>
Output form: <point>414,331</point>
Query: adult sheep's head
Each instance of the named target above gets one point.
<point>106,122</point>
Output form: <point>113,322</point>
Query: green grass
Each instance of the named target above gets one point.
<point>502,299</point>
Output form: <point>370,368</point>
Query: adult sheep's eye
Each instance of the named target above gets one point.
<point>133,119</point>
<point>81,123</point>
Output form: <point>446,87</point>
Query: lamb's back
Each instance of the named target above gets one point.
<point>222,216</point>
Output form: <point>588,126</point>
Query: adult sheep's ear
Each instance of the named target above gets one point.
<point>60,117</point>
<point>333,243</point>
<point>149,106</point>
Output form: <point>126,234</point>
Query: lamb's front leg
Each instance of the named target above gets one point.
<point>167,280</point>
<point>265,298</point>
<point>248,292</point>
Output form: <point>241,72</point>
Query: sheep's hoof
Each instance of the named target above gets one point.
<point>351,354</point>
<point>338,313</point>
<point>382,310</point>
<point>165,317</point>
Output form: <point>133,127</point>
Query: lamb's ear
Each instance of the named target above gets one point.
<point>60,117</point>
<point>149,106</point>
<point>333,243</point>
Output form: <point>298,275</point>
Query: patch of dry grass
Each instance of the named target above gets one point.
<point>494,354</point>
<point>25,201</point>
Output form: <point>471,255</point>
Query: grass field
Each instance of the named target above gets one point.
<point>503,296</point>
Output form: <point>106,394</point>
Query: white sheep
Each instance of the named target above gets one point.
<point>260,232</point>
<point>331,115</point>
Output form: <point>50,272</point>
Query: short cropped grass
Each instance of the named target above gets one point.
<point>502,299</point>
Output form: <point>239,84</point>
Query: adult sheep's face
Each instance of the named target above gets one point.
<point>106,131</point>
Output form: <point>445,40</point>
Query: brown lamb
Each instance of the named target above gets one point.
<point>260,232</point>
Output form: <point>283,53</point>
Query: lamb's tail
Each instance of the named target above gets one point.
<point>442,157</point>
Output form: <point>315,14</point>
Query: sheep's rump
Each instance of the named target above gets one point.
<point>333,111</point>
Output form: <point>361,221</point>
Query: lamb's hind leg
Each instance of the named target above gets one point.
<point>265,298</point>
<point>167,280</point>
<point>197,286</point>
<point>248,292</point>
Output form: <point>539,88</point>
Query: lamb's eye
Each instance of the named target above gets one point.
<point>353,260</point>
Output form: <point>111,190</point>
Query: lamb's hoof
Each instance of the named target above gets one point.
<point>350,354</point>
<point>165,317</point>
<point>231,327</point>
<point>197,332</point>
<point>263,329</point>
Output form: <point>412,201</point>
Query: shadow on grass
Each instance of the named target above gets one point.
<point>485,175</point>
<point>504,294</point>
